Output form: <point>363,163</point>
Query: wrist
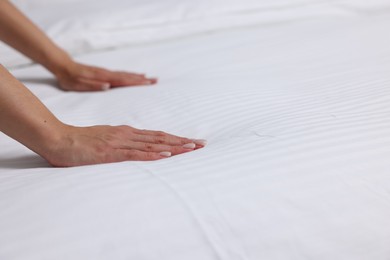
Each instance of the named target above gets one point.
<point>51,142</point>
<point>59,63</point>
<point>65,147</point>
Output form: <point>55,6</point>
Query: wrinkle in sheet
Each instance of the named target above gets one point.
<point>221,251</point>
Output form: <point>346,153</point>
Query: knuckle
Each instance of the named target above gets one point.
<point>124,127</point>
<point>160,139</point>
<point>131,155</point>
<point>114,131</point>
<point>160,133</point>
<point>148,147</point>
<point>185,141</point>
<point>123,130</point>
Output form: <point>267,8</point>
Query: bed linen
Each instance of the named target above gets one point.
<point>297,116</point>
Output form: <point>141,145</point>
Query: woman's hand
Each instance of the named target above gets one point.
<point>105,144</point>
<point>20,33</point>
<point>24,118</point>
<point>74,76</point>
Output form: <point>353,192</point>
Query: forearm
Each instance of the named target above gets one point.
<point>20,33</point>
<point>24,118</point>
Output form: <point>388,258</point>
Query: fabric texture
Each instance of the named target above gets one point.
<point>296,112</point>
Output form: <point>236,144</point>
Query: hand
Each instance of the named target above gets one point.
<point>105,144</point>
<point>20,33</point>
<point>79,77</point>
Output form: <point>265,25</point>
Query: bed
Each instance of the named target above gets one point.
<point>292,96</point>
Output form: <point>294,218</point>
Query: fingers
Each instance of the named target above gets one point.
<point>153,145</point>
<point>80,77</point>
<point>119,78</point>
<point>146,145</point>
<point>158,148</point>
<point>82,84</point>
<point>165,138</point>
<point>105,144</point>
<point>137,151</point>
<point>162,139</point>
<point>137,155</point>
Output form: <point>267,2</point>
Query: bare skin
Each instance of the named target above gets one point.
<point>20,33</point>
<point>24,118</point>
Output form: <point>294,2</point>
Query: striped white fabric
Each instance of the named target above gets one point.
<point>297,116</point>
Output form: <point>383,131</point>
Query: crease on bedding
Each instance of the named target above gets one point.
<point>99,32</point>
<point>220,241</point>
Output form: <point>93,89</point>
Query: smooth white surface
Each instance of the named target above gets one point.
<point>297,117</point>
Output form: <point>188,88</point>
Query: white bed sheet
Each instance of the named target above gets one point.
<point>90,25</point>
<point>297,116</point>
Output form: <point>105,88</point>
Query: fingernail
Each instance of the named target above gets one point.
<point>189,146</point>
<point>201,142</point>
<point>166,154</point>
<point>106,86</point>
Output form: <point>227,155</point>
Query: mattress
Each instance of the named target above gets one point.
<point>292,96</point>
